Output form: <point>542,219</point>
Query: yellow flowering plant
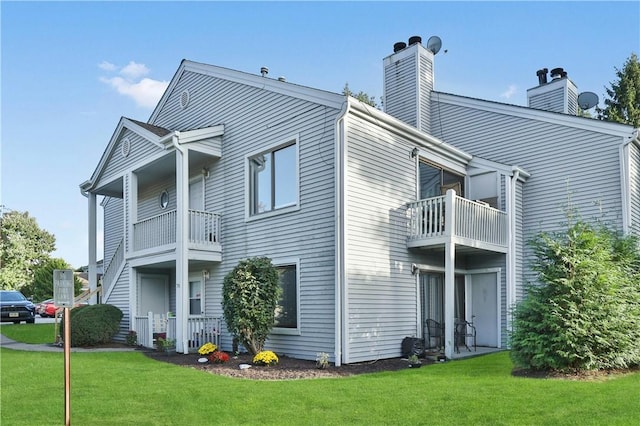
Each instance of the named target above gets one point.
<point>207,348</point>
<point>265,358</point>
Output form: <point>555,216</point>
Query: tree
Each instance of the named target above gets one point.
<point>623,105</point>
<point>250,294</point>
<point>585,313</point>
<point>23,247</point>
<point>41,288</point>
<point>361,96</point>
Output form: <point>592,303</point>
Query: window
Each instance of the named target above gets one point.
<point>434,181</point>
<point>274,179</point>
<point>164,200</point>
<point>286,314</point>
<point>195,297</point>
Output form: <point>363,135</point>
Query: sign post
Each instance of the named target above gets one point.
<point>63,298</point>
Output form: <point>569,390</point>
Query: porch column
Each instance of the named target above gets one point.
<point>93,269</point>
<point>449,274</point>
<point>182,260</point>
<point>449,292</point>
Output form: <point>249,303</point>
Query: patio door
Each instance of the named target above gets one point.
<point>432,296</point>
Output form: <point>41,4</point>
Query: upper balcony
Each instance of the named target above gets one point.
<point>158,233</point>
<point>450,218</point>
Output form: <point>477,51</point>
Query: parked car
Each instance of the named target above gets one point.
<point>46,309</point>
<point>14,307</point>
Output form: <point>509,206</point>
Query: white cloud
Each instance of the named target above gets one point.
<point>512,90</point>
<point>107,66</point>
<point>134,70</point>
<point>146,92</point>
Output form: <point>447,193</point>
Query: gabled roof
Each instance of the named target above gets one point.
<point>330,99</point>
<point>153,134</point>
<point>157,130</point>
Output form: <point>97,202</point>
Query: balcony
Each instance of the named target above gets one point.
<point>450,218</point>
<point>159,232</point>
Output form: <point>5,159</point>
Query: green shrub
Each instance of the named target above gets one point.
<point>585,313</point>
<point>250,295</point>
<point>93,324</point>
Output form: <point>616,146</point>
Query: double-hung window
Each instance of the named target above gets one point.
<point>273,179</point>
<point>286,314</point>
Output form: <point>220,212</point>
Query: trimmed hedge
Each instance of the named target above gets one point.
<point>93,325</point>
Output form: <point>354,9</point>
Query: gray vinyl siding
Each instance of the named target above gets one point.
<point>381,290</point>
<point>634,188</point>
<point>424,95</point>
<point>567,164</point>
<point>256,120</point>
<point>113,226</point>
<point>140,149</point>
<point>550,101</point>
<point>401,86</point>
<point>149,199</point>
<point>119,297</point>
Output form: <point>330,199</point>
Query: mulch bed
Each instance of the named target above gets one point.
<point>286,369</point>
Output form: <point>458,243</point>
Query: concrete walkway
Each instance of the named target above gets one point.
<point>5,342</point>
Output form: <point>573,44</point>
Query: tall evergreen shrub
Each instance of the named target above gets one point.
<point>584,313</point>
<point>250,294</point>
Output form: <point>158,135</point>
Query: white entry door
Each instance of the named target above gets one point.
<point>153,295</point>
<point>484,306</point>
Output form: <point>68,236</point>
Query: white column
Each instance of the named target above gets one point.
<point>449,274</point>
<point>93,270</point>
<point>182,260</point>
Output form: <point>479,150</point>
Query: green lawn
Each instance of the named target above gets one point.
<point>128,388</point>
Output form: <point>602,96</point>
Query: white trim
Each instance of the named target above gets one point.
<point>625,186</point>
<point>282,262</point>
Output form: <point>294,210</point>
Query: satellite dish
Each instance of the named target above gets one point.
<point>434,44</point>
<point>587,100</point>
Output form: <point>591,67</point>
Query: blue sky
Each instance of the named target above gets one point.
<point>70,70</point>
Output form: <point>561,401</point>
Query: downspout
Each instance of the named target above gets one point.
<point>340,275</point>
<point>182,266</point>
<point>625,180</point>
<point>511,262</point>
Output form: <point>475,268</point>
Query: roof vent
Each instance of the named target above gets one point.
<point>558,73</point>
<point>542,76</point>
<point>282,79</point>
<point>264,71</point>
<point>415,39</point>
<point>399,46</point>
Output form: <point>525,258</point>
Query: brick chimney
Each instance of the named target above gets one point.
<point>557,95</point>
<point>408,83</point>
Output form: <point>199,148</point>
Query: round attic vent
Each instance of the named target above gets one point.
<point>125,147</point>
<point>184,99</point>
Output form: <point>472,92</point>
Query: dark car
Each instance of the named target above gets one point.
<point>14,307</point>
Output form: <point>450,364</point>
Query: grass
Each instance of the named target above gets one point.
<point>128,388</point>
<point>30,333</point>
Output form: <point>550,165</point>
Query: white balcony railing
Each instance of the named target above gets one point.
<point>468,220</point>
<point>204,230</point>
<point>155,231</point>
